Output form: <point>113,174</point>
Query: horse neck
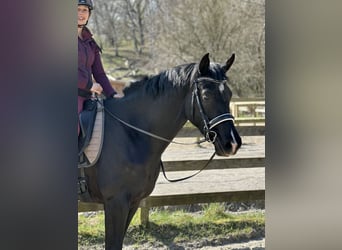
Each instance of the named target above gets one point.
<point>163,115</point>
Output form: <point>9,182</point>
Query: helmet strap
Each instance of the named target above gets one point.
<point>83,25</point>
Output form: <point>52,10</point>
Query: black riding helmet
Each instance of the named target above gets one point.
<point>88,3</point>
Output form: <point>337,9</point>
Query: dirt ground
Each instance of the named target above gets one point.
<point>249,245</point>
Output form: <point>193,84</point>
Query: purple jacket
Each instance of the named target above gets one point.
<point>89,64</point>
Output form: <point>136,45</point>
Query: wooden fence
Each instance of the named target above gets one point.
<point>223,185</point>
<point>248,111</point>
<point>251,107</point>
<point>240,178</point>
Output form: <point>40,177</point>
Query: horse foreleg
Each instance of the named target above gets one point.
<point>134,207</point>
<point>116,214</point>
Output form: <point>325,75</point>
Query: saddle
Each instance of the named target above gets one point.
<point>91,133</point>
<point>89,142</point>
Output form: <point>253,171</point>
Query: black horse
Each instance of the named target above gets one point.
<point>129,165</point>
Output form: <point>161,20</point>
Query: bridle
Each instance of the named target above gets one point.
<point>209,134</point>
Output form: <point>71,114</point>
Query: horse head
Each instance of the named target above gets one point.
<point>208,107</point>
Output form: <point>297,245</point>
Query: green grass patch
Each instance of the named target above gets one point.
<point>91,228</point>
<point>213,222</point>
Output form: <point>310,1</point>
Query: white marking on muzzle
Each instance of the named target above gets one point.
<point>234,140</point>
<point>234,148</point>
<point>221,87</point>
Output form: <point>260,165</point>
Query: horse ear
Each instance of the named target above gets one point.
<point>204,65</point>
<point>229,63</point>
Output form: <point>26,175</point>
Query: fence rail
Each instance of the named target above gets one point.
<point>251,108</point>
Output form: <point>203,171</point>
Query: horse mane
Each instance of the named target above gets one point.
<point>163,82</point>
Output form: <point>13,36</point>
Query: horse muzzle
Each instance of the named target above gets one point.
<point>229,146</point>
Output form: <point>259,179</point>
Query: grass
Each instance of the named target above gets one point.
<point>91,228</point>
<point>213,222</point>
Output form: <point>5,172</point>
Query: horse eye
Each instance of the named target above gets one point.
<point>205,95</point>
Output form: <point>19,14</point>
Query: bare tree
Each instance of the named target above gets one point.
<point>108,23</point>
<point>134,14</point>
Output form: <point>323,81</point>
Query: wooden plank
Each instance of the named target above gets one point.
<point>248,99</point>
<point>182,199</point>
<point>250,121</point>
<point>211,181</point>
<point>251,130</point>
<point>86,207</point>
<point>243,129</point>
<point>185,199</point>
<point>220,163</point>
<point>252,147</point>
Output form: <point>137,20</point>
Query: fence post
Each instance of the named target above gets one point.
<point>144,213</point>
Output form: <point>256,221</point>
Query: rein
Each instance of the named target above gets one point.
<point>146,132</point>
<point>210,135</point>
<point>187,177</point>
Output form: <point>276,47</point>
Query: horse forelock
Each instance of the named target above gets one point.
<point>216,72</point>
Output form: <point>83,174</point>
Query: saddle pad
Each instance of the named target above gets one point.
<point>93,150</point>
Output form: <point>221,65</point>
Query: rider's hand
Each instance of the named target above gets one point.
<point>96,88</point>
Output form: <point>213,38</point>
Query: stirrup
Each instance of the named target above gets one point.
<point>82,186</point>
<point>82,161</point>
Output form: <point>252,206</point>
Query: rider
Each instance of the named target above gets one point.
<point>89,60</point>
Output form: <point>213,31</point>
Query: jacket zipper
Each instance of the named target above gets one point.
<point>89,74</point>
